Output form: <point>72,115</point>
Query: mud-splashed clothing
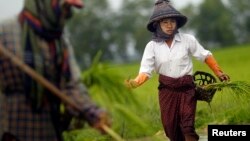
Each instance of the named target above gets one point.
<point>17,114</point>
<point>178,107</point>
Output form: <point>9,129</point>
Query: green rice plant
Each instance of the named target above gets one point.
<point>107,88</point>
<point>106,84</point>
<point>239,88</point>
<point>131,122</point>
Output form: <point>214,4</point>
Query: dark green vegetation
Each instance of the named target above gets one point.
<point>135,113</point>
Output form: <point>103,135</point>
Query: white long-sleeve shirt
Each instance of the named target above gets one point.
<point>174,61</point>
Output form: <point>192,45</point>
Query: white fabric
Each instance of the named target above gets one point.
<point>174,61</point>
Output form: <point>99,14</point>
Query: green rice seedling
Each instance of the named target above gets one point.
<point>106,84</point>
<point>108,90</point>
<point>239,88</point>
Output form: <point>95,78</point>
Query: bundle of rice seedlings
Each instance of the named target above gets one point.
<point>239,88</point>
<point>207,86</point>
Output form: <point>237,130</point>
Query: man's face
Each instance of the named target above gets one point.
<point>168,25</point>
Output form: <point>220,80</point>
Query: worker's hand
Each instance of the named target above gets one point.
<point>224,77</point>
<point>103,120</point>
<point>130,83</point>
<point>138,81</point>
<point>97,118</point>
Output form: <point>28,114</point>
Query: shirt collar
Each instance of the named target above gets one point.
<point>177,37</point>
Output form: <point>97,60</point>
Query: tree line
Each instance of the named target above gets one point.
<point>121,34</point>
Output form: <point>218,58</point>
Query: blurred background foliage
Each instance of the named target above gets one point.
<point>121,33</point>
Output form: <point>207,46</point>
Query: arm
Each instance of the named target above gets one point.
<point>147,66</point>
<point>213,65</point>
<point>201,54</point>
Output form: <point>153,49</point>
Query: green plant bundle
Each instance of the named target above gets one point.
<point>236,87</point>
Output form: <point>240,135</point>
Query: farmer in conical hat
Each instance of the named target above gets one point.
<point>169,53</point>
<point>29,111</point>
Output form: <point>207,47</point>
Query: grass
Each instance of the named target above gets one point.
<point>142,121</point>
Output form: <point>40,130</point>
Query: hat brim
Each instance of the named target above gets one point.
<point>181,21</point>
